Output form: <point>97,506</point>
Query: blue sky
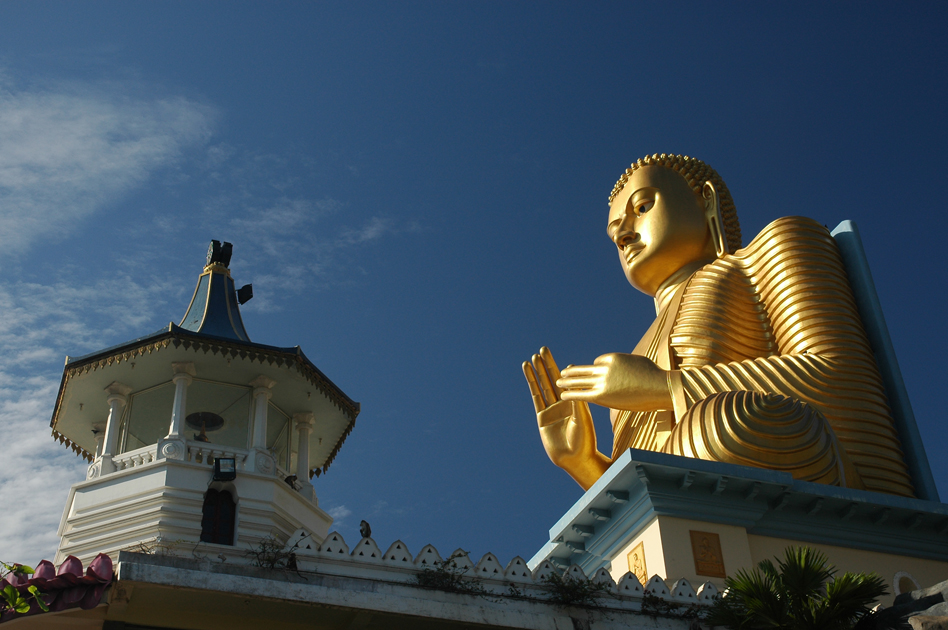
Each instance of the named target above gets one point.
<point>417,191</point>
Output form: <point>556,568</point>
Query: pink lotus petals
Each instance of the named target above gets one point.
<point>64,588</point>
<point>45,570</point>
<point>70,565</point>
<point>101,568</point>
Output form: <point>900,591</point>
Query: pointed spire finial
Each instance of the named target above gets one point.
<point>219,254</point>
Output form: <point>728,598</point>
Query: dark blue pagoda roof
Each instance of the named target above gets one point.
<point>214,308</point>
<point>212,325</point>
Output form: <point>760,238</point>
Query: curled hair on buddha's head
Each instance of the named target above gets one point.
<point>696,173</point>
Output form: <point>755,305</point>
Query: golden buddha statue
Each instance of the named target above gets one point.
<point>757,355</point>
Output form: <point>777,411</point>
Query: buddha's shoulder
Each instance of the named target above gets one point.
<point>789,234</point>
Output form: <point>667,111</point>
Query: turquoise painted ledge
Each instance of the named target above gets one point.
<point>641,485</point>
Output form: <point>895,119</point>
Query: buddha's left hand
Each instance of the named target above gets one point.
<point>618,381</point>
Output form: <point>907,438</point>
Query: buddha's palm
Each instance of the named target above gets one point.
<point>567,432</point>
<point>566,427</point>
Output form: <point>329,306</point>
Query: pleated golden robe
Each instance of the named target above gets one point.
<point>777,317</point>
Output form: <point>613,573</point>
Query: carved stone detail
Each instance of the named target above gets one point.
<point>263,463</point>
<point>172,450</point>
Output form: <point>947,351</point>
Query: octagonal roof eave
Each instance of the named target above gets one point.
<point>173,333</point>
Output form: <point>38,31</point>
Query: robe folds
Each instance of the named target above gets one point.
<point>776,324</point>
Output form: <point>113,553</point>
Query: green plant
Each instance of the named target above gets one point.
<point>446,575</point>
<point>566,590</point>
<point>12,598</point>
<point>157,546</point>
<point>796,594</point>
<point>515,592</point>
<point>272,553</point>
<point>655,606</point>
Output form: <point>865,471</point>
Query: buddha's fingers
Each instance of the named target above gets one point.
<point>538,403</point>
<point>584,395</point>
<point>576,370</point>
<point>552,369</point>
<point>546,386</point>
<point>570,383</point>
<point>581,371</point>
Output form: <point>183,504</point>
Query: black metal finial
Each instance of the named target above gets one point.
<point>217,253</point>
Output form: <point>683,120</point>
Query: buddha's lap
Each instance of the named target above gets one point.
<point>766,431</point>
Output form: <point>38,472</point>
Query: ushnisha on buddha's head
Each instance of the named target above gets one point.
<point>668,216</point>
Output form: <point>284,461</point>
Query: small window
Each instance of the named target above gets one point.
<point>279,439</point>
<point>148,417</point>
<point>229,403</point>
<point>220,514</point>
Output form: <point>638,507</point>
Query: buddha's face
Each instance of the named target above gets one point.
<point>658,223</point>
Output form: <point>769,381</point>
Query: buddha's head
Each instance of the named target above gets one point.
<point>668,213</point>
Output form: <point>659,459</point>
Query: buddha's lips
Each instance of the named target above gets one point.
<point>632,251</point>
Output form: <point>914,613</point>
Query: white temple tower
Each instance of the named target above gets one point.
<point>195,434</point>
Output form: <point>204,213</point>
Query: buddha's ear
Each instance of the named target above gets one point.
<point>712,213</point>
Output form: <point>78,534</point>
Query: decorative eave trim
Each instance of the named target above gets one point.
<point>178,337</point>
<point>78,450</point>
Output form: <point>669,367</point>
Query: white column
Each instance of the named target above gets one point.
<point>98,433</point>
<point>183,371</point>
<point>304,424</point>
<point>261,397</point>
<point>117,399</point>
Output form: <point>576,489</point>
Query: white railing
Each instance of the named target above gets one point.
<point>138,457</point>
<point>197,452</point>
<point>207,452</point>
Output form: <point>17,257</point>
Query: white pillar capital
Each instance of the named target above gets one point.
<point>304,420</point>
<point>182,378</point>
<point>118,399</point>
<point>262,382</point>
<point>117,390</point>
<point>183,367</point>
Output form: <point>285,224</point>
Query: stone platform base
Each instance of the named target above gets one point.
<point>653,513</point>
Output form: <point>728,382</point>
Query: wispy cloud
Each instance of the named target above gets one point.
<point>38,318</point>
<point>70,152</point>
<point>375,228</point>
<point>37,471</point>
<point>39,324</point>
<point>287,239</point>
<point>339,515</point>
<point>66,150</point>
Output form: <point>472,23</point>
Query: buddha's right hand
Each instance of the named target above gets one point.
<point>566,427</point>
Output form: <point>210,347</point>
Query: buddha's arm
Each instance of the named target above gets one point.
<point>618,381</point>
<point>566,427</point>
<point>824,358</point>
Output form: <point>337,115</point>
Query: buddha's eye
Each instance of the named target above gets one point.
<point>644,207</point>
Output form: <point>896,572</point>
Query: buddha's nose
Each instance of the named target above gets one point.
<point>626,233</point>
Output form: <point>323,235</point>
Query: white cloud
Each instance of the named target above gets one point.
<point>339,515</point>
<point>375,228</point>
<point>39,324</point>
<point>67,150</point>
<point>287,237</point>
<point>37,471</point>
<point>66,153</point>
